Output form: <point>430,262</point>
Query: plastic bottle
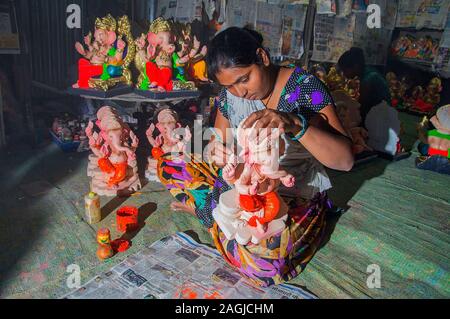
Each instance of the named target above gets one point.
<point>92,208</point>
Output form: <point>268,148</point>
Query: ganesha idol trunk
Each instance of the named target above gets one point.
<point>101,184</point>
<point>237,224</point>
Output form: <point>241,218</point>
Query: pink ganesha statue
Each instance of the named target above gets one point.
<point>167,141</point>
<point>112,166</point>
<point>254,210</point>
<point>107,55</point>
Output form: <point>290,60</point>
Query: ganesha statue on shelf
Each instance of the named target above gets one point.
<point>112,166</point>
<point>335,80</point>
<point>352,87</point>
<point>189,59</point>
<point>166,141</point>
<point>253,210</point>
<point>433,92</point>
<point>106,55</point>
<point>156,52</point>
<point>397,89</point>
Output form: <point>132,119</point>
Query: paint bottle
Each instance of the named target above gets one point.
<point>92,208</point>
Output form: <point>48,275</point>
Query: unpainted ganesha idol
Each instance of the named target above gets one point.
<point>259,211</point>
<point>167,141</point>
<point>113,165</point>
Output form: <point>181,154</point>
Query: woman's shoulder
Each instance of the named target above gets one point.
<point>304,93</point>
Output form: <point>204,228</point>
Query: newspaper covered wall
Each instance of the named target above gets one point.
<point>177,267</point>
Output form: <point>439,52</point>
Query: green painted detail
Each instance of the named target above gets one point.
<point>112,52</point>
<point>436,133</point>
<point>105,75</point>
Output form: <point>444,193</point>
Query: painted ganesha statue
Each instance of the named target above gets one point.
<point>168,57</point>
<point>113,165</point>
<point>106,55</point>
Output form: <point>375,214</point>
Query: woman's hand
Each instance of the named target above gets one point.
<point>270,119</point>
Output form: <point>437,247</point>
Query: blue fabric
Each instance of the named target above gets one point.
<point>438,164</point>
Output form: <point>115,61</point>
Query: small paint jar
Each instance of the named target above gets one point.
<point>127,219</point>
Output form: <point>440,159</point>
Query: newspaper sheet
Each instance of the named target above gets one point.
<point>343,8</point>
<point>326,7</point>
<point>268,23</point>
<point>180,10</point>
<point>177,267</point>
<point>407,10</point>
<point>241,13</point>
<point>332,37</point>
<point>294,17</point>
<point>422,13</point>
<point>432,14</point>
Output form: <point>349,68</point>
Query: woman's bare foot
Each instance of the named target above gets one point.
<point>180,207</point>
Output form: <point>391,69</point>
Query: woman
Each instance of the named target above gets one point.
<point>374,88</point>
<point>296,102</point>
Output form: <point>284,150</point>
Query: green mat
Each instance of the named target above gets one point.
<point>397,217</point>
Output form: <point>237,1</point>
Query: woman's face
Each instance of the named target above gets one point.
<point>251,83</point>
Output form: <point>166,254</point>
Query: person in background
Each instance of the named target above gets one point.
<point>374,87</point>
<point>378,116</point>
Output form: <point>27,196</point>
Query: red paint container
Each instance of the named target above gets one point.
<point>127,219</point>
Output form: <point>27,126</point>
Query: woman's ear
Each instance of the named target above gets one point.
<point>263,56</point>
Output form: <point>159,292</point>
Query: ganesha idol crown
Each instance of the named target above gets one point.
<point>232,220</point>
<point>160,25</point>
<point>106,23</point>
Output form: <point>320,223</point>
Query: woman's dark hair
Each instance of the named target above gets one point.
<point>354,56</point>
<point>233,47</point>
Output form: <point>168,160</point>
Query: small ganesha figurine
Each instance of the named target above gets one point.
<point>112,166</point>
<point>254,210</point>
<point>167,141</point>
<point>335,80</point>
<point>107,57</point>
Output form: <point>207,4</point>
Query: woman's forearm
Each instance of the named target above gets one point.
<point>332,150</point>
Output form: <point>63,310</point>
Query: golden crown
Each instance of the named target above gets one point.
<point>160,25</point>
<point>107,23</point>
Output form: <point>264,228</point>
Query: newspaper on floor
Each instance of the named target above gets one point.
<point>177,267</point>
